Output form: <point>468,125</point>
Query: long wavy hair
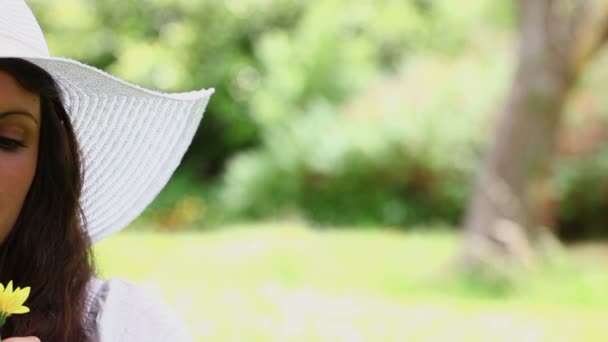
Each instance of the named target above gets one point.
<point>48,248</point>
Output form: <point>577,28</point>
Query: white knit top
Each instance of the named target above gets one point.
<point>120,311</point>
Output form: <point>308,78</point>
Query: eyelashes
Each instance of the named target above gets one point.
<point>10,145</point>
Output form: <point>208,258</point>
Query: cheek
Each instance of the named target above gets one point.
<point>16,175</point>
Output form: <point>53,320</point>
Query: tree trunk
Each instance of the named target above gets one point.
<point>555,41</point>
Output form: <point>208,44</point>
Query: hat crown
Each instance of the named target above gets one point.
<point>20,33</point>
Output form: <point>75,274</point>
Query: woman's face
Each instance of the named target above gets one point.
<point>19,135</point>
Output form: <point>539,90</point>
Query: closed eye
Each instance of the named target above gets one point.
<point>10,145</point>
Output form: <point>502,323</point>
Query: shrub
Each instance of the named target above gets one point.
<point>580,183</point>
<point>582,189</point>
<point>266,58</point>
<point>394,156</point>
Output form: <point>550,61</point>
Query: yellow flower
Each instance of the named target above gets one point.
<point>11,302</point>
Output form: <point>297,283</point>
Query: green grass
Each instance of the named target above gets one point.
<point>290,283</point>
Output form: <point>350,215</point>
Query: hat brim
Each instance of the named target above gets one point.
<point>131,139</point>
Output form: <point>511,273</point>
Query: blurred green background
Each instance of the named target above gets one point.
<point>356,129</point>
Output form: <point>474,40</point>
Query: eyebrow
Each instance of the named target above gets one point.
<point>19,112</point>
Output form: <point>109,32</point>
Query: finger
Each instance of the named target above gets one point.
<point>22,339</point>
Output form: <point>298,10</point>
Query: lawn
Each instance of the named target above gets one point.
<point>291,283</point>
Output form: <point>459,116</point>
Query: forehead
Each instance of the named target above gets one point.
<point>15,97</point>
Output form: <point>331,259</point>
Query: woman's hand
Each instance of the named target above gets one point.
<point>22,339</point>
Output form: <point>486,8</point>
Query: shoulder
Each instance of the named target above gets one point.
<point>123,311</point>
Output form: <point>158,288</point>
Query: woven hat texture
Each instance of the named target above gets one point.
<point>131,139</point>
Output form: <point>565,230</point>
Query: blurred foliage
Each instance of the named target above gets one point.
<point>284,71</point>
<point>268,60</point>
<point>579,181</point>
<point>367,111</point>
<point>583,191</point>
<point>184,203</point>
<point>395,156</point>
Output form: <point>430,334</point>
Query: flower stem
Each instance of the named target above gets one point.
<point>2,321</point>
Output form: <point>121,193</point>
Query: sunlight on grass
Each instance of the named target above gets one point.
<point>290,283</point>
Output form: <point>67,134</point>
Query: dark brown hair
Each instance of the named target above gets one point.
<point>48,248</point>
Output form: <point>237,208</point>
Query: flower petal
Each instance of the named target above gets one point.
<point>20,310</point>
<point>23,294</point>
<point>11,302</point>
<point>3,300</point>
<point>19,297</point>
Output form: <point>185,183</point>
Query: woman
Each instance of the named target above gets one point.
<point>81,155</point>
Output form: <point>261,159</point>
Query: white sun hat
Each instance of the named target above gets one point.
<point>131,139</point>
